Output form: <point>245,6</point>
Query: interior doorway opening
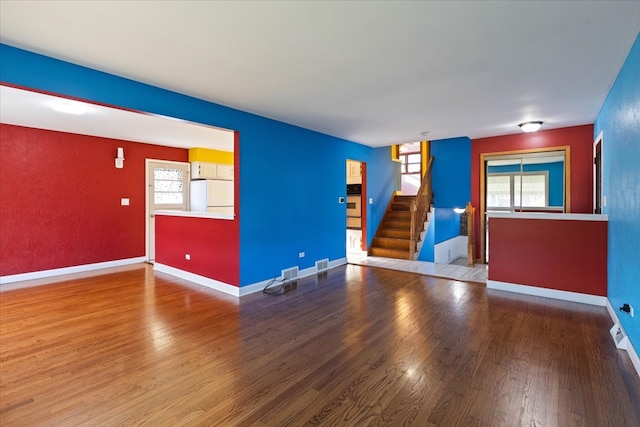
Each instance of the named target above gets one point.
<point>356,207</point>
<point>167,186</point>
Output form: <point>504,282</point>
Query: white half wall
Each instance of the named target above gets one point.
<point>449,250</point>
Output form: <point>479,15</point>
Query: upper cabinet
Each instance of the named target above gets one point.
<point>354,172</point>
<point>205,170</point>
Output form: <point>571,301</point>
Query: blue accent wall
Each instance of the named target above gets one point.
<point>447,225</point>
<point>451,172</point>
<point>427,253</point>
<point>556,177</point>
<point>619,120</point>
<point>290,177</point>
<point>451,183</point>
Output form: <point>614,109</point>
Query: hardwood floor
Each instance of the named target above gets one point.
<point>354,346</point>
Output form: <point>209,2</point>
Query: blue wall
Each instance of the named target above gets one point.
<point>451,183</point>
<point>451,173</point>
<point>290,177</point>
<point>556,177</point>
<point>619,120</point>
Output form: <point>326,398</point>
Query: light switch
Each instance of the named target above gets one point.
<point>370,201</point>
<point>124,202</point>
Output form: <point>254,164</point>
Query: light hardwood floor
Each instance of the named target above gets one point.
<point>355,346</point>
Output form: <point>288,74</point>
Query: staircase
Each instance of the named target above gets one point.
<point>402,225</point>
<point>393,239</point>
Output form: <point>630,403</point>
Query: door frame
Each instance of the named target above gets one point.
<point>482,214</point>
<point>363,203</point>
<point>598,145</point>
<point>147,198</point>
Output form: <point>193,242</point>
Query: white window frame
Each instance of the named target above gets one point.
<point>513,206</point>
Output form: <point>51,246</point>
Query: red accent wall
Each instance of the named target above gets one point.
<point>554,254</point>
<point>60,198</point>
<point>213,245</point>
<point>579,138</point>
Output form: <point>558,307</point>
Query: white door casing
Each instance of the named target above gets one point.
<point>167,188</point>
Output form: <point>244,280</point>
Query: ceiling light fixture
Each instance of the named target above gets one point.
<point>530,126</point>
<point>70,107</point>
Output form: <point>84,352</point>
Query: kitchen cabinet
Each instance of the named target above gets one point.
<point>205,170</point>
<point>354,172</point>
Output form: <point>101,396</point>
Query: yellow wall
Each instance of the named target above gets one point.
<point>211,156</point>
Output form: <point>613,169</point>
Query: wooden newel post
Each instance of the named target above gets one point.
<point>471,235</point>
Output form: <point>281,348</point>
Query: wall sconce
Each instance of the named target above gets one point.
<point>120,158</point>
<point>530,126</point>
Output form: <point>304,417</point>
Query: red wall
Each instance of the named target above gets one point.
<point>579,138</point>
<point>212,244</point>
<point>554,254</point>
<point>60,199</point>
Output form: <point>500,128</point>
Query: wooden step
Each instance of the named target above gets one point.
<point>391,243</point>
<point>400,207</point>
<point>394,233</point>
<point>402,225</point>
<point>403,200</point>
<point>398,216</point>
<point>390,253</point>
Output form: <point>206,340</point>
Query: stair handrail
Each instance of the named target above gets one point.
<point>420,208</point>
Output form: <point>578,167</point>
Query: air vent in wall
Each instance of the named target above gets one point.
<point>290,273</point>
<point>322,265</point>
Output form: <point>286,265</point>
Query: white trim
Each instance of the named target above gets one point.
<point>625,344</point>
<point>548,293</point>
<point>192,214</point>
<point>147,214</point>
<point>337,262</point>
<point>196,278</point>
<point>234,290</point>
<point>43,274</point>
<point>552,216</point>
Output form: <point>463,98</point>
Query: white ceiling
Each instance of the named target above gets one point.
<point>33,109</point>
<point>374,72</point>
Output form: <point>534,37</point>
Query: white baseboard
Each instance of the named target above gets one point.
<point>548,293</point>
<point>234,290</point>
<point>43,274</point>
<point>259,286</point>
<point>200,280</point>
<point>624,344</point>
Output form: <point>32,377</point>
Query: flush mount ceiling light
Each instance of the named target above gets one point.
<point>530,126</point>
<point>70,107</point>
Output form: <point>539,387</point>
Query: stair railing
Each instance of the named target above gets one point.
<point>420,208</point>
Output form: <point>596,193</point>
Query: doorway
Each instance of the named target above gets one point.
<point>535,180</point>
<point>598,198</point>
<point>356,209</point>
<point>167,189</point>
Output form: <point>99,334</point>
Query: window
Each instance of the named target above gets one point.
<point>515,191</point>
<point>169,186</point>
<point>411,167</point>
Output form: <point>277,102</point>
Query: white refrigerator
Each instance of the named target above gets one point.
<point>212,196</point>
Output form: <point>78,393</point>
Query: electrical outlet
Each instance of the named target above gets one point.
<point>187,257</point>
<point>301,255</point>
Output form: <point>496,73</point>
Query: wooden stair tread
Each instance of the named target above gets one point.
<point>390,253</point>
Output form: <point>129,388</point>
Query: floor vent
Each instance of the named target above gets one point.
<point>322,265</point>
<point>619,337</point>
<point>290,273</point>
